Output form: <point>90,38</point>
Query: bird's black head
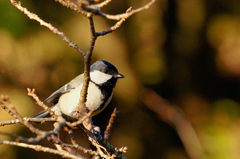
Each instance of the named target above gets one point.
<point>104,73</point>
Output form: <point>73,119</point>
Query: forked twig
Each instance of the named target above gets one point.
<point>80,121</point>
<point>40,134</point>
<point>76,145</point>
<point>116,26</point>
<point>109,147</point>
<point>20,118</point>
<point>95,9</point>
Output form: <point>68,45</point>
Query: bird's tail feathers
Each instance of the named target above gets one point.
<point>44,113</point>
<point>41,114</point>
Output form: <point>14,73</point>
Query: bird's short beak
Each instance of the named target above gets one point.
<point>118,76</point>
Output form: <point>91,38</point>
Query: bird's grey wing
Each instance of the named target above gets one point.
<point>53,98</point>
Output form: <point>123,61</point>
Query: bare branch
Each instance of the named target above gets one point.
<point>80,121</point>
<point>16,121</point>
<point>115,27</point>
<point>109,147</point>
<point>107,132</point>
<point>85,8</point>
<point>127,15</point>
<point>32,94</point>
<point>75,145</point>
<point>104,3</point>
<point>20,118</point>
<point>6,108</point>
<point>48,25</point>
<point>17,138</point>
<point>29,140</point>
<point>81,6</point>
<point>72,5</point>
<point>40,134</point>
<point>40,148</point>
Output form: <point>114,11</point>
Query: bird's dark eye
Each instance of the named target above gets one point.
<point>107,71</point>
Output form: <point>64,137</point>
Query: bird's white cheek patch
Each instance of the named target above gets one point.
<point>99,77</point>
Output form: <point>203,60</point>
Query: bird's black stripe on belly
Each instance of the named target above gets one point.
<point>106,89</point>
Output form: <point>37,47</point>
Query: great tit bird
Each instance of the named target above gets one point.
<point>103,78</point>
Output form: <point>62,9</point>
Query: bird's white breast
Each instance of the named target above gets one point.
<point>68,102</point>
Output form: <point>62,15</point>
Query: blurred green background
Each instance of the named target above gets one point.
<point>187,51</point>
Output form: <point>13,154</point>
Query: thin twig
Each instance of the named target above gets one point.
<point>40,148</point>
<point>46,134</point>
<point>2,105</point>
<point>41,135</point>
<point>20,118</point>
<point>70,133</point>
<point>17,138</point>
<point>16,121</point>
<point>48,25</point>
<point>58,143</point>
<point>76,123</point>
<point>74,6</point>
<point>75,145</point>
<point>104,3</point>
<point>95,9</point>
<point>22,139</point>
<point>32,94</point>
<point>109,147</point>
<point>107,132</point>
<point>100,148</point>
<point>127,15</point>
<point>115,27</point>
